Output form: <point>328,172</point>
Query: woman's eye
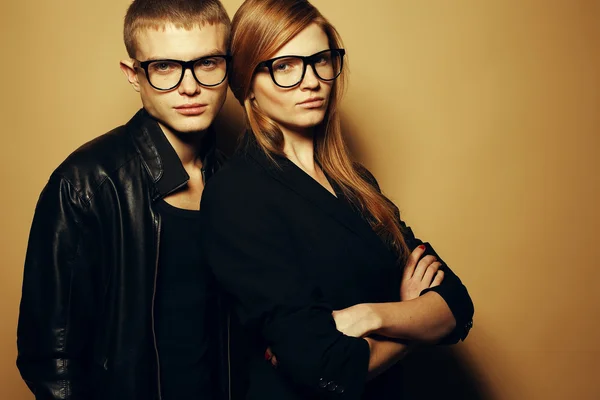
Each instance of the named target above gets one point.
<point>287,65</point>
<point>282,67</point>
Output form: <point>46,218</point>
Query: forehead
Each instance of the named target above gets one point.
<point>170,41</point>
<point>309,41</point>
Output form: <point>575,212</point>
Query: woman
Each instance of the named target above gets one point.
<point>294,230</point>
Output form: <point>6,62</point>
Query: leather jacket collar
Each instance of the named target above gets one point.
<point>160,159</point>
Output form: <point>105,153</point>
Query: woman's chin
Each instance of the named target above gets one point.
<point>309,123</point>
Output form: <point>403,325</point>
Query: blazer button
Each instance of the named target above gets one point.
<point>340,389</point>
<point>331,386</point>
<point>322,383</point>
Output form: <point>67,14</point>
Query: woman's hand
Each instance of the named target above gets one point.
<point>269,356</point>
<point>419,274</point>
<point>361,320</point>
<point>357,321</point>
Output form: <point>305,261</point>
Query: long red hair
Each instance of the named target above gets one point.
<point>259,29</point>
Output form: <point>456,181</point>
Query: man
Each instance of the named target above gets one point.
<point>115,305</point>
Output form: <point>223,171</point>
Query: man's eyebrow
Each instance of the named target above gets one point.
<point>211,53</point>
<point>215,52</point>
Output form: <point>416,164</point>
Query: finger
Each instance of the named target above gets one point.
<point>268,354</point>
<point>422,266</point>
<point>274,361</point>
<point>439,277</point>
<point>412,261</point>
<point>430,272</point>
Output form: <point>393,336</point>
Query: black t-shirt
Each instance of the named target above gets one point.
<point>184,310</point>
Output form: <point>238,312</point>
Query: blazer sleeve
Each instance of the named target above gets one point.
<point>248,247</point>
<point>451,289</point>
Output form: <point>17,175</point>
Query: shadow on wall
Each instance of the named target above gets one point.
<point>229,125</point>
<point>442,373</point>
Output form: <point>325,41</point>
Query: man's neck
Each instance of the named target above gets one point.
<point>187,146</point>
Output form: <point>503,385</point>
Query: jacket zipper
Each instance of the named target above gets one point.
<point>158,223</point>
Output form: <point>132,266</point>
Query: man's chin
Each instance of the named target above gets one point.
<point>190,125</point>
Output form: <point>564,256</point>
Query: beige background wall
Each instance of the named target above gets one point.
<point>481,120</point>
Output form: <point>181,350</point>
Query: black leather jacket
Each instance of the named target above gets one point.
<point>86,318</point>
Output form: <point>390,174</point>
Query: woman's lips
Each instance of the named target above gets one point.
<point>316,102</point>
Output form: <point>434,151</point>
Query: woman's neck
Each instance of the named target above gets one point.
<point>299,148</point>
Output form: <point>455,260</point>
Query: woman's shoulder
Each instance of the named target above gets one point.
<point>366,175</point>
<point>241,179</point>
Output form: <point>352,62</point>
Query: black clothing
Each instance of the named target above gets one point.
<point>288,252</point>
<point>184,309</point>
<point>86,319</point>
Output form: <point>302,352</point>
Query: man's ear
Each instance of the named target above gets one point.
<point>131,73</point>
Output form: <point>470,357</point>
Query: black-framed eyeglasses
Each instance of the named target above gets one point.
<point>167,74</point>
<point>289,71</point>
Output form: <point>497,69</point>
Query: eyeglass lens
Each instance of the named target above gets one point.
<point>288,71</point>
<point>164,74</point>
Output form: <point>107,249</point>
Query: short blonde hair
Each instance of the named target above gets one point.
<point>185,14</point>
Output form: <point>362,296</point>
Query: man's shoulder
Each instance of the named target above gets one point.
<point>87,167</point>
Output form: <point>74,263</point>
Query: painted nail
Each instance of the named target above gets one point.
<point>267,355</point>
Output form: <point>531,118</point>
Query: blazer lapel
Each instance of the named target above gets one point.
<point>340,209</point>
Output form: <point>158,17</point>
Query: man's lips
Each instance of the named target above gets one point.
<point>191,109</point>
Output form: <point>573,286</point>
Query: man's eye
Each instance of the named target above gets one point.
<point>208,63</point>
<point>163,66</point>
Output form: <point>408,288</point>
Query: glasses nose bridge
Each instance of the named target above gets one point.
<point>310,62</point>
<point>185,65</point>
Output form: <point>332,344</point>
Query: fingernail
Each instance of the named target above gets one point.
<point>267,356</point>
<point>422,247</point>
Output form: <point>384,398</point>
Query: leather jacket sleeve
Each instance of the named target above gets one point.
<point>55,312</point>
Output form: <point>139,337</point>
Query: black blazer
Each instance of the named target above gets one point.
<point>287,253</point>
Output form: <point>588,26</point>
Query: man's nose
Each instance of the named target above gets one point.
<point>189,85</point>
